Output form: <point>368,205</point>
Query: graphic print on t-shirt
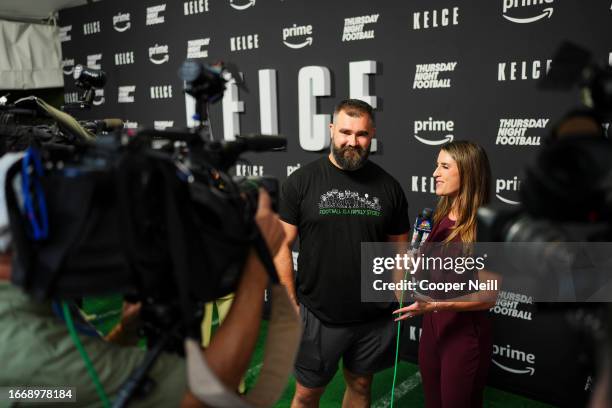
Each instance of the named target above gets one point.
<point>347,202</point>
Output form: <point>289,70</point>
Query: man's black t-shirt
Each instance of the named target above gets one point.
<point>336,210</point>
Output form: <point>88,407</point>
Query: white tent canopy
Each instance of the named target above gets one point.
<point>30,53</point>
<point>34,9</point>
<point>30,56</point>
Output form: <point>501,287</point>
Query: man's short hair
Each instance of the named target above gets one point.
<point>355,108</point>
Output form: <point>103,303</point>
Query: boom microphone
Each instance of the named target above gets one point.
<point>109,124</point>
<point>103,125</point>
<point>258,143</point>
<point>248,143</point>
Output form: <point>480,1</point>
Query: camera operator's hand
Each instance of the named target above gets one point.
<point>269,223</point>
<point>126,332</point>
<point>130,317</point>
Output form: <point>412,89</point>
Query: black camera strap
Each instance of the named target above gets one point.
<point>24,260</point>
<point>178,243</point>
<point>138,383</point>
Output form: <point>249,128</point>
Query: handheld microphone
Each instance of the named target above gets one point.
<point>422,228</point>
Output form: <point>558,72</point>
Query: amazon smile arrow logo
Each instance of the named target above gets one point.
<point>160,61</point>
<point>502,184</point>
<point>68,70</point>
<point>505,200</point>
<point>301,45</point>
<point>99,98</point>
<point>547,12</point>
<point>447,138</point>
<point>124,28</point>
<point>158,54</point>
<point>251,3</point>
<point>527,370</point>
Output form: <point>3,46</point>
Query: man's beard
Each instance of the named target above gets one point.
<point>350,158</point>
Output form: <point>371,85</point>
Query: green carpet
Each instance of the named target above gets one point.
<point>105,312</point>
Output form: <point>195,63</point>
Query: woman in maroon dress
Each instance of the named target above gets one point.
<point>456,342</point>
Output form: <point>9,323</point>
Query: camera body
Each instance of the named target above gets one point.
<point>566,198</point>
<point>172,231</point>
<point>87,79</point>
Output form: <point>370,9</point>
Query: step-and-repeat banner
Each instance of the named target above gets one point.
<point>433,71</point>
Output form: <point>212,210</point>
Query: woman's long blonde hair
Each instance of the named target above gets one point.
<point>474,189</point>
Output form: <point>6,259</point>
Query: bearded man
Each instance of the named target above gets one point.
<point>333,204</point>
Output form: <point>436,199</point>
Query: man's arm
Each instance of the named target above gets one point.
<point>284,260</point>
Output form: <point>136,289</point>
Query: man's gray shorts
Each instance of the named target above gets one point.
<point>365,349</point>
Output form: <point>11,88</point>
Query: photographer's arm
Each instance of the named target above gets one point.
<point>284,260</point>
<point>5,266</point>
<point>230,349</point>
<point>232,345</point>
